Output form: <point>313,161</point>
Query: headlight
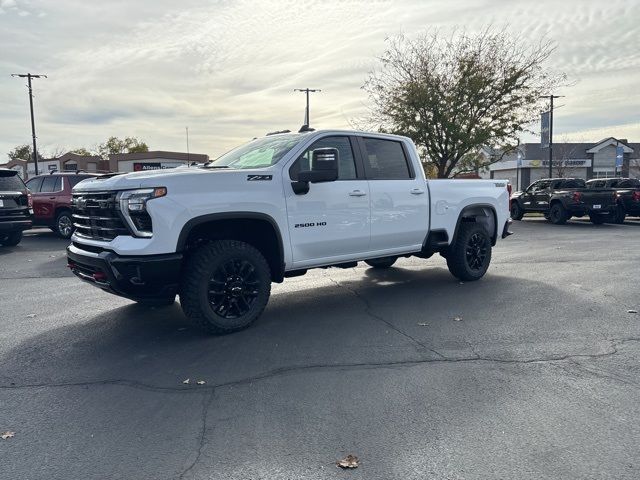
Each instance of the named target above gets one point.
<point>133,206</point>
<point>136,200</point>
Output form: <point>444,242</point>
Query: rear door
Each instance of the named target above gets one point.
<point>399,199</point>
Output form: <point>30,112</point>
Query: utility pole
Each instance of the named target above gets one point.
<point>29,76</point>
<point>551,97</point>
<point>307,115</point>
<point>188,160</point>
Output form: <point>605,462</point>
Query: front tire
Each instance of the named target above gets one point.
<point>226,286</point>
<point>558,215</point>
<point>12,239</point>
<point>517,212</point>
<point>384,262</point>
<point>64,225</point>
<point>470,255</point>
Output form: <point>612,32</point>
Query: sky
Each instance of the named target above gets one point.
<point>227,69</point>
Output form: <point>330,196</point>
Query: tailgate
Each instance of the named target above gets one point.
<point>599,199</point>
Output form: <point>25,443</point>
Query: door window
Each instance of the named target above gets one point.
<point>34,184</point>
<point>51,184</point>
<point>385,160</point>
<point>346,161</point>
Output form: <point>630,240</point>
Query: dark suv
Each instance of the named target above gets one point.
<point>15,208</point>
<point>52,200</point>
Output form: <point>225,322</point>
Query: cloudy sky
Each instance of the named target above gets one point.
<point>227,69</point>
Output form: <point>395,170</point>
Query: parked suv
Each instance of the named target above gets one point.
<point>15,208</point>
<point>628,195</point>
<point>52,200</point>
<point>559,199</point>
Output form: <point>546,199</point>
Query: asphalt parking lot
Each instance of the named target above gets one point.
<point>531,373</point>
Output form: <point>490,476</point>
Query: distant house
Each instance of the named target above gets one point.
<point>579,160</point>
<point>68,162</point>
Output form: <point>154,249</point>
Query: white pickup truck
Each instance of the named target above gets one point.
<point>219,234</point>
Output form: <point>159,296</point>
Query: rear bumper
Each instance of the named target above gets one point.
<point>580,210</point>
<point>15,226</point>
<point>151,278</point>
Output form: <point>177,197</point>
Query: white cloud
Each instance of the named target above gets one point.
<point>227,69</point>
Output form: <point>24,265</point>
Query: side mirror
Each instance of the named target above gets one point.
<point>324,168</point>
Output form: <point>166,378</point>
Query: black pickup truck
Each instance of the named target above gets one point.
<point>628,196</point>
<point>559,199</point>
<point>15,208</point>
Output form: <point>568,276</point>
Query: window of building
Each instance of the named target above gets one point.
<point>385,160</point>
<point>71,166</point>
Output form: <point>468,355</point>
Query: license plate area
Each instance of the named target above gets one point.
<point>597,207</point>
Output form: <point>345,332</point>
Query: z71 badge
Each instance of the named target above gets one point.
<point>255,178</point>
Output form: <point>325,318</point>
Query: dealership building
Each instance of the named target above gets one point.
<point>529,162</point>
<point>121,162</point>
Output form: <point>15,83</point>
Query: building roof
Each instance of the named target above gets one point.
<point>570,151</point>
<point>180,156</point>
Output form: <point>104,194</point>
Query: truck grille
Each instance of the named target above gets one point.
<point>96,215</point>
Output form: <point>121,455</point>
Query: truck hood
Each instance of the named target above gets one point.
<point>162,178</point>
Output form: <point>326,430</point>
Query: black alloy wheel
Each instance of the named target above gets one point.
<point>64,225</point>
<point>558,214</point>
<point>517,211</point>
<point>233,288</point>
<point>476,251</point>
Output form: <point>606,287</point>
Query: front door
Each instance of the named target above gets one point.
<point>331,220</point>
<point>542,196</point>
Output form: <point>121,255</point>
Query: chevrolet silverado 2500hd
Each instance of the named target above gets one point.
<point>217,235</point>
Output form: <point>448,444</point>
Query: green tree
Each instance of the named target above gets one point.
<point>114,145</point>
<point>453,96</point>
<point>81,151</point>
<point>21,152</point>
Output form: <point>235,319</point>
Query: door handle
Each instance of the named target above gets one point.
<point>417,191</point>
<point>52,198</point>
<point>357,193</point>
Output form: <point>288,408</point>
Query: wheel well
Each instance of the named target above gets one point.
<point>485,215</point>
<point>258,232</point>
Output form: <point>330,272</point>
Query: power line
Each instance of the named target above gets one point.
<point>29,76</point>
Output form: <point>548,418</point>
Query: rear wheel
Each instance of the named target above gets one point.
<point>517,212</point>
<point>597,219</point>
<point>619,215</point>
<point>470,255</point>
<point>558,214</point>
<point>226,286</point>
<point>384,262</point>
<point>11,240</point>
<point>64,224</point>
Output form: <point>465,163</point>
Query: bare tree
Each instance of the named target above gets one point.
<point>454,95</point>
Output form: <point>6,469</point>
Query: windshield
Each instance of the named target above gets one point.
<point>259,153</point>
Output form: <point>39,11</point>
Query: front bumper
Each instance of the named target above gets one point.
<point>150,278</point>
<point>14,226</point>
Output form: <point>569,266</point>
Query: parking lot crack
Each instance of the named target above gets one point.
<point>206,404</point>
<point>371,313</point>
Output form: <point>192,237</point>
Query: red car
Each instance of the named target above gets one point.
<point>52,200</point>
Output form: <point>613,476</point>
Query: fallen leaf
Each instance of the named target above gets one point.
<point>423,324</point>
<point>350,461</point>
<point>31,315</point>
<point>186,382</point>
<point>201,382</point>
<point>6,435</point>
<point>457,319</point>
<point>632,311</point>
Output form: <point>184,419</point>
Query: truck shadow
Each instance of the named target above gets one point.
<point>376,316</point>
